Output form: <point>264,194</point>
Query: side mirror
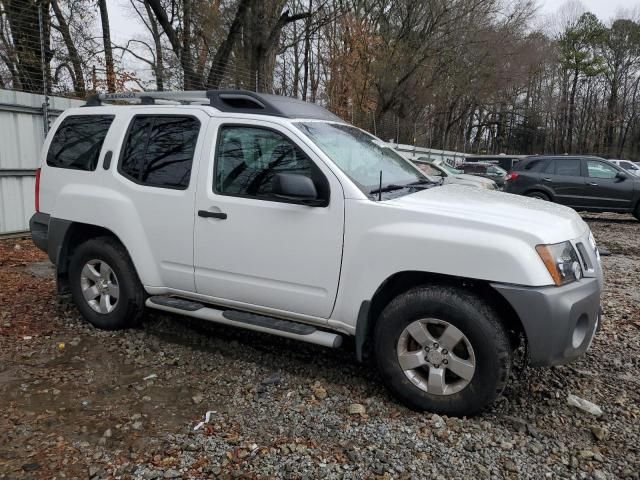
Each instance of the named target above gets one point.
<point>295,188</point>
<point>621,176</point>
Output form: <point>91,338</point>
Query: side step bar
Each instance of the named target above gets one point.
<point>249,321</point>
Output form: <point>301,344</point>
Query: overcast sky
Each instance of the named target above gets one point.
<point>603,9</point>
<point>124,24</point>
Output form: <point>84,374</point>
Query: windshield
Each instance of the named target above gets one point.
<point>448,168</point>
<point>445,166</point>
<point>361,156</point>
<point>429,169</point>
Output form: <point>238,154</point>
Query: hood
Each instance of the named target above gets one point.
<point>472,178</point>
<point>537,220</point>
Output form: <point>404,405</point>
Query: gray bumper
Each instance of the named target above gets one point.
<point>39,226</point>
<point>559,322</point>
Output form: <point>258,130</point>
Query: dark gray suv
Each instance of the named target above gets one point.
<point>580,182</point>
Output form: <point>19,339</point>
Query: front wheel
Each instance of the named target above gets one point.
<point>104,284</point>
<point>442,349</point>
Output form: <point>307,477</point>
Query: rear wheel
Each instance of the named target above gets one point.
<point>104,285</point>
<point>442,349</point>
<point>636,213</point>
<point>539,196</point>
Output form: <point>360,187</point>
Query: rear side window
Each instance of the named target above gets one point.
<point>568,168</point>
<point>628,165</point>
<point>532,166</point>
<point>78,141</point>
<point>564,167</point>
<point>159,150</point>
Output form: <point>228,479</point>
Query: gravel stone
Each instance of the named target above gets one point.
<point>293,410</point>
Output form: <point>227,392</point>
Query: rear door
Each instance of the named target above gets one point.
<point>156,171</point>
<point>604,190</point>
<point>564,177</point>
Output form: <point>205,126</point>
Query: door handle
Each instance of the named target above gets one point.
<point>546,179</point>
<point>593,184</point>
<point>208,214</point>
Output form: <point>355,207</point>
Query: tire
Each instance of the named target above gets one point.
<point>539,196</point>
<point>123,294</point>
<point>442,307</point>
<point>636,212</point>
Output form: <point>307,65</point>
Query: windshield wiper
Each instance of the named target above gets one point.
<point>388,188</point>
<point>394,186</point>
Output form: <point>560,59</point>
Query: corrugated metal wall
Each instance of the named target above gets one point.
<point>21,138</point>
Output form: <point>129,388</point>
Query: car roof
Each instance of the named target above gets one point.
<point>561,157</point>
<point>227,101</point>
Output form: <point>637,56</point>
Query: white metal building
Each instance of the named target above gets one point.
<point>21,138</point>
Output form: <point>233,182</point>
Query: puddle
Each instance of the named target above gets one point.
<point>44,269</point>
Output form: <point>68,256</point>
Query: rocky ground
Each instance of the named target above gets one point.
<point>76,402</point>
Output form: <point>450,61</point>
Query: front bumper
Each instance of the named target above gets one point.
<point>559,322</point>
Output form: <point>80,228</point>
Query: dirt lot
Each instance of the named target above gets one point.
<point>76,402</point>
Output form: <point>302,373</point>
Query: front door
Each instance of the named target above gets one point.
<point>255,248</point>
<point>604,190</point>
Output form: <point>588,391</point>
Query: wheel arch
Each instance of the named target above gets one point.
<point>540,189</point>
<point>65,237</point>
<point>401,282</point>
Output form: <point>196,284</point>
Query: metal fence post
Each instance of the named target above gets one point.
<point>45,75</point>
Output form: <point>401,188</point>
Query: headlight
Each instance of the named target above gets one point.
<point>562,262</point>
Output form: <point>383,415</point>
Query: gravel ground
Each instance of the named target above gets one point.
<point>76,402</point>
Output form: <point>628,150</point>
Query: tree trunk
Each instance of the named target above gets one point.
<point>157,42</point>
<point>190,79</point>
<point>223,54</point>
<point>74,56</point>
<point>572,112</point>
<point>307,48</point>
<point>106,41</point>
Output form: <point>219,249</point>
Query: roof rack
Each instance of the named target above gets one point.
<point>232,101</point>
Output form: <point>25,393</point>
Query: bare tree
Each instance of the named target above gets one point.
<point>106,41</point>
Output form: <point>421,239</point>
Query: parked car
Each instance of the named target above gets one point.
<point>580,182</point>
<point>628,166</point>
<point>271,214</point>
<point>450,175</point>
<point>486,170</point>
<point>504,161</point>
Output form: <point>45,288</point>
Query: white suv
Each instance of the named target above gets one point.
<point>272,214</point>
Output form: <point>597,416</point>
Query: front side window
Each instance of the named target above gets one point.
<point>78,141</point>
<point>597,169</point>
<point>159,150</point>
<point>248,158</point>
<point>361,156</point>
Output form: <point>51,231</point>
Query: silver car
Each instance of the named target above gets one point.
<point>628,165</point>
<point>440,169</point>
